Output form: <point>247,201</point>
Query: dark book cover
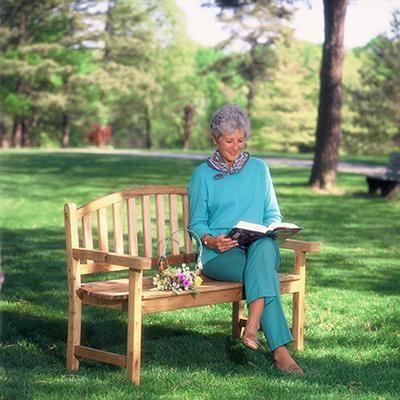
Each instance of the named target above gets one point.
<point>247,233</point>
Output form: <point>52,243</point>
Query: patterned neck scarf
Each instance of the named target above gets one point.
<point>216,161</point>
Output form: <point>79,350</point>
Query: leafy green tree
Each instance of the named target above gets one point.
<point>177,105</point>
<point>254,27</point>
<point>216,86</point>
<point>39,42</point>
<point>377,101</point>
<point>137,34</point>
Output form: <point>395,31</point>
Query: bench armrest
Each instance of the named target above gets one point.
<point>123,260</point>
<point>301,245</point>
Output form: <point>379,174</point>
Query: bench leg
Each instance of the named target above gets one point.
<point>298,321</point>
<point>74,323</point>
<point>237,316</point>
<point>134,327</point>
<point>299,302</point>
<point>373,185</point>
<point>389,189</point>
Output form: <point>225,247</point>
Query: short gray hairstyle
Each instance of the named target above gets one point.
<point>228,119</point>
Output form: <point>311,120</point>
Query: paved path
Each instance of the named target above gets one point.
<point>354,168</point>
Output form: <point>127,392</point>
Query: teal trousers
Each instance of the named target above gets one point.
<point>257,269</point>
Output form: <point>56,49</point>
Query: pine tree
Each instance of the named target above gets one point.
<point>285,109</point>
<point>136,34</point>
<point>38,40</point>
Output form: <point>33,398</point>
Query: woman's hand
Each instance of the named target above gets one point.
<point>221,243</point>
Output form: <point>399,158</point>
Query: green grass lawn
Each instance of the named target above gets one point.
<point>352,339</point>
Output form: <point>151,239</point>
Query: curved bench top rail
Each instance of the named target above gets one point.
<point>127,194</point>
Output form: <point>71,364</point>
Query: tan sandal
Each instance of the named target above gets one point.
<point>251,344</point>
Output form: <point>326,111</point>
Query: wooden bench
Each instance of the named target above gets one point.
<point>388,183</point>
<point>120,232</point>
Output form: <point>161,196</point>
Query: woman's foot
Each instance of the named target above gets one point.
<point>284,362</point>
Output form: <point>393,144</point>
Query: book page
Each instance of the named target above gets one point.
<point>281,225</point>
<point>251,227</point>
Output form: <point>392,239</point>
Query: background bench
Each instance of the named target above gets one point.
<point>120,232</point>
<point>388,183</point>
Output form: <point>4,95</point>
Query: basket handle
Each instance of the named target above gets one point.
<point>170,237</point>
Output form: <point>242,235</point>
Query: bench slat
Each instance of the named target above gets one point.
<point>160,220</point>
<point>102,229</point>
<point>132,227</point>
<point>117,227</point>
<point>87,234</point>
<point>173,219</point>
<point>185,216</point>
<point>146,227</point>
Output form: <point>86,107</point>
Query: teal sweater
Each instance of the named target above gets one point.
<point>216,205</point>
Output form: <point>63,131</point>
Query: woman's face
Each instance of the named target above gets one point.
<point>230,145</point>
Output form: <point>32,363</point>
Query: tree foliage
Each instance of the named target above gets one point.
<point>128,65</point>
<point>377,101</point>
<point>285,109</point>
<point>254,28</point>
<point>40,56</point>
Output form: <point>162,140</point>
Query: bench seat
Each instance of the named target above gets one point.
<point>388,185</point>
<point>114,293</point>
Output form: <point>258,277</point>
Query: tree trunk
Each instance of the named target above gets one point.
<point>323,174</point>
<point>65,131</point>
<point>17,133</point>
<point>149,134</point>
<point>3,136</point>
<point>250,98</point>
<point>188,114</point>
<point>26,132</point>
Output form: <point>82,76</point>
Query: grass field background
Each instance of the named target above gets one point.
<point>352,339</point>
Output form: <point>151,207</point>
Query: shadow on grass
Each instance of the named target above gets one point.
<point>178,351</point>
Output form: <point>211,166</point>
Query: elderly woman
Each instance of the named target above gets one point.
<point>229,187</point>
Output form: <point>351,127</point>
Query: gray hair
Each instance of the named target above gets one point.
<point>228,119</point>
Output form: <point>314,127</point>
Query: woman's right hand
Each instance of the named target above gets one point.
<point>221,243</point>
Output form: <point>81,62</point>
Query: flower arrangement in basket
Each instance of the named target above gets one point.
<point>178,279</point>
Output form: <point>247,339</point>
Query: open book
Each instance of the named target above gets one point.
<point>246,232</point>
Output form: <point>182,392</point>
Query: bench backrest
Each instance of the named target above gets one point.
<point>394,163</point>
<point>393,168</point>
<point>134,222</point>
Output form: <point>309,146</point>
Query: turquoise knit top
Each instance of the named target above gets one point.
<point>216,205</point>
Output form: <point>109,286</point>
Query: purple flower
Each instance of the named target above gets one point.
<point>186,283</point>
